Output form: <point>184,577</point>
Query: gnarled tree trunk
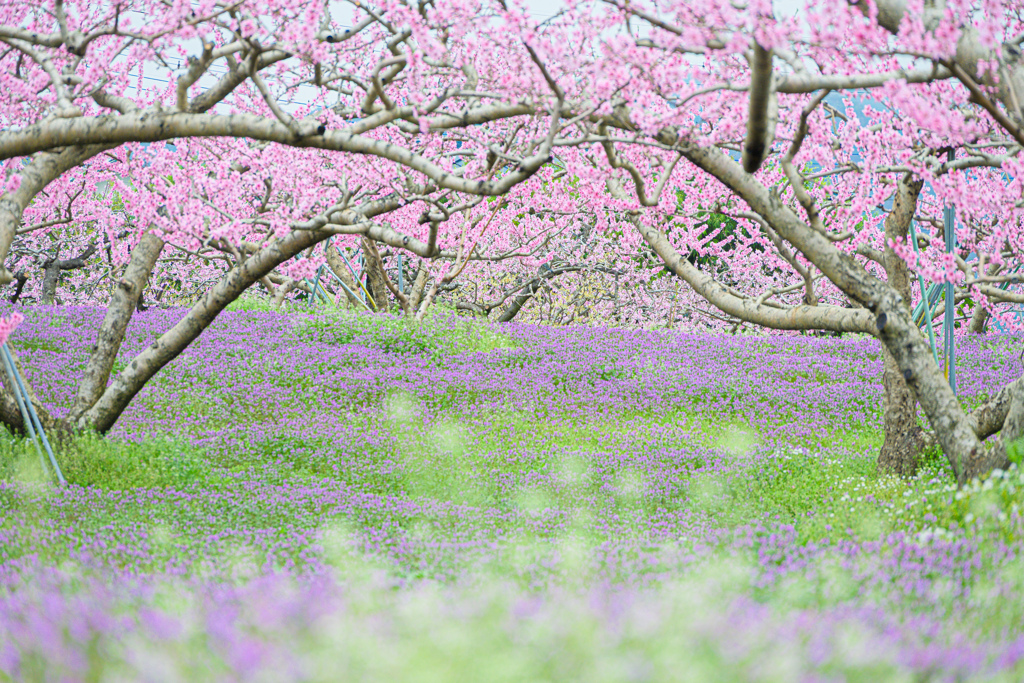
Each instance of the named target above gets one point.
<point>283,290</point>
<point>903,439</point>
<point>123,301</point>
<point>375,275</point>
<point>979,319</point>
<point>20,278</point>
<point>418,286</point>
<point>53,268</point>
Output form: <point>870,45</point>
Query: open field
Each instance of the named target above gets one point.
<point>308,497</point>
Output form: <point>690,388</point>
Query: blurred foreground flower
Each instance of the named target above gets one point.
<point>8,325</point>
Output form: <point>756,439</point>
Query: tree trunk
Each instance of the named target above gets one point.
<point>127,383</point>
<point>893,325</point>
<point>375,275</point>
<point>418,286</point>
<point>123,302</point>
<point>283,290</point>
<point>532,289</point>
<point>979,319</point>
<point>20,279</point>
<point>51,274</point>
<point>53,268</point>
<point>903,442</point>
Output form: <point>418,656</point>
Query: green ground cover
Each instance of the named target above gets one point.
<point>312,497</point>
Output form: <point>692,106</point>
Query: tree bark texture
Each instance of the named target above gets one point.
<point>530,289</point>
<point>20,278</point>
<point>418,286</point>
<point>123,302</point>
<point>282,291</point>
<point>375,275</point>
<point>758,116</point>
<point>53,268</point>
<point>903,442</point>
<point>979,319</point>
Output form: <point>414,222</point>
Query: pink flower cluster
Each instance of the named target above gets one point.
<point>9,324</point>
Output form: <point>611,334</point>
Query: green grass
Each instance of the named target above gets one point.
<point>89,460</point>
<point>827,490</point>
<point>458,462</point>
<point>839,497</point>
<point>440,334</point>
<point>39,345</point>
<point>251,302</point>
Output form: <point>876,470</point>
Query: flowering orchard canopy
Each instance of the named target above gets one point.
<point>452,101</point>
<point>441,97</point>
<point>778,165</point>
<point>831,138</point>
<point>291,122</point>
<point>845,113</point>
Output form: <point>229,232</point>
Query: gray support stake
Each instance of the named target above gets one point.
<point>32,413</point>
<point>365,295</point>
<point>24,411</point>
<point>925,299</point>
<point>949,338</point>
<point>316,283</point>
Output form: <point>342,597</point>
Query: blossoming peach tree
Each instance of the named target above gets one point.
<point>794,172</point>
<point>250,133</point>
<point>838,140</point>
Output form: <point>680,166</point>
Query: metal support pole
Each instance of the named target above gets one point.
<point>926,304</point>
<point>949,341</point>
<point>357,278</point>
<point>924,308</point>
<point>346,288</point>
<point>28,412</point>
<point>23,410</point>
<point>400,287</point>
<point>316,283</point>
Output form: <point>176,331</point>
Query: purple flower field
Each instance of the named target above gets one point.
<point>328,497</point>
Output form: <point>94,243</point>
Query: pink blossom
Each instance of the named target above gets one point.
<point>9,324</point>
